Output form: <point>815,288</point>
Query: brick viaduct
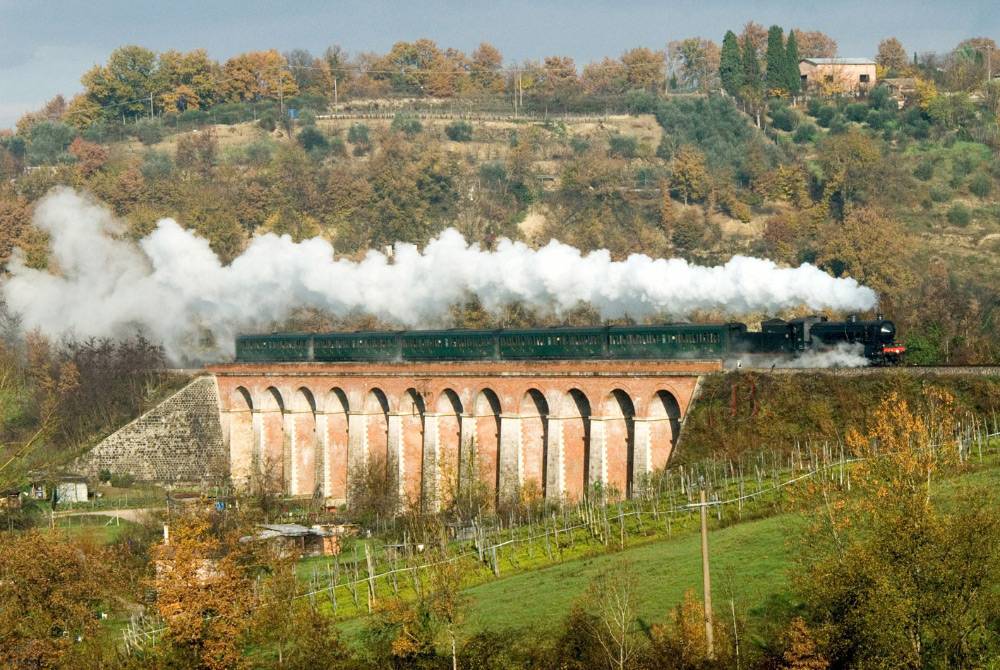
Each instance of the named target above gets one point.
<point>557,427</point>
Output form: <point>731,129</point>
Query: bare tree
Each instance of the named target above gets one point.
<point>613,598</point>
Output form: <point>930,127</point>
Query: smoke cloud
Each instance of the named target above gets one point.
<point>172,286</point>
<point>843,355</point>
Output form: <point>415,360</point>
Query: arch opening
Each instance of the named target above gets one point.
<point>576,454</point>
<point>241,455</point>
<point>304,457</point>
<point>448,443</point>
<point>271,455</point>
<point>664,427</point>
<point>534,414</point>
<point>412,411</point>
<point>335,462</point>
<point>486,454</point>
<point>618,415</point>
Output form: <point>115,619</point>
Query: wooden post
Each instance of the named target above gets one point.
<point>706,576</point>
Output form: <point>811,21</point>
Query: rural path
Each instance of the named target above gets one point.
<point>130,514</point>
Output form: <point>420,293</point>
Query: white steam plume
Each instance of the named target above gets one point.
<point>173,285</point>
<point>842,355</point>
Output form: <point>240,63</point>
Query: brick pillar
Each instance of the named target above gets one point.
<point>467,463</point>
<point>598,447</point>
<point>395,437</point>
<point>288,430</point>
<point>510,456</point>
<point>642,460</point>
<point>429,475</point>
<point>555,487</point>
<point>321,464</point>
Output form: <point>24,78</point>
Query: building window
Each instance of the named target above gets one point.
<point>828,78</point>
<point>804,78</point>
<point>864,79</point>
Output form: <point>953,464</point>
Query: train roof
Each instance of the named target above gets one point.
<point>444,332</point>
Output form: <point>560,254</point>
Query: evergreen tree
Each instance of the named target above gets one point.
<point>794,79</point>
<point>751,66</point>
<point>777,67</point>
<point>730,67</point>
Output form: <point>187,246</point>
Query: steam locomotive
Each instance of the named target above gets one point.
<point>875,340</point>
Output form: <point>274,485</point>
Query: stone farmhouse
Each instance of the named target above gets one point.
<point>837,75</point>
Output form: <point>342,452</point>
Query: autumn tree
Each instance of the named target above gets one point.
<point>730,64</point>
<point>184,81</point>
<point>815,44</point>
<point>894,575</point>
<point>891,55</point>
<point>254,75</point>
<point>51,593</point>
<point>312,75</point>
<point>123,86</point>
<point>697,61</point>
<point>605,77</point>
<point>486,69</point>
<point>753,39</point>
<point>558,76</point>
<point>869,246</point>
<point>688,175</point>
<point>643,68</point>
<point>205,592</point>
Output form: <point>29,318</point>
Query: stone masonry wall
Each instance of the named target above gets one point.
<point>178,441</point>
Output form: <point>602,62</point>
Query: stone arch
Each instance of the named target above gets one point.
<point>271,453</point>
<point>304,458</point>
<point>448,446</point>
<point>412,412</point>
<point>486,435</point>
<point>664,418</point>
<point>576,455</point>
<point>534,414</point>
<point>240,436</point>
<point>618,422</point>
<point>335,464</point>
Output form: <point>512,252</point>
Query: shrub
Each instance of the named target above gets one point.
<point>459,131</point>
<point>825,115</point>
<point>361,137</point>
<point>259,152</point>
<point>156,164</point>
<point>813,106</point>
<point>689,230</point>
<point>622,145</point>
<point>148,131</point>
<point>306,117</point>
<point>926,204</point>
<point>940,194</point>
<point>579,145</point>
<point>785,119</point>
<point>123,481</point>
<point>956,180</point>
<point>639,101</point>
<point>49,141</point>
<point>963,165</point>
<point>839,125</point>
<point>857,112</point>
<point>924,170</point>
<point>311,138</point>
<point>879,98</point>
<point>981,185</point>
<point>408,124</point>
<point>805,132</point>
<point>876,120</point>
<point>337,147</point>
<point>959,215</point>
<point>268,120</point>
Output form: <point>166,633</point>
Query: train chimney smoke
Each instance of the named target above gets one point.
<point>173,288</point>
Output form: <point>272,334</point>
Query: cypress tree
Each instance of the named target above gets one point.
<point>730,66</point>
<point>776,74</point>
<point>751,66</point>
<point>794,84</point>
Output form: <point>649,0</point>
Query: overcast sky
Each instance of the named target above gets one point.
<point>45,45</point>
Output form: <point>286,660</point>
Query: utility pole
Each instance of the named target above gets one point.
<point>150,105</point>
<point>706,577</point>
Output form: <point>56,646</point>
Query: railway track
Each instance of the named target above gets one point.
<point>929,370</point>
